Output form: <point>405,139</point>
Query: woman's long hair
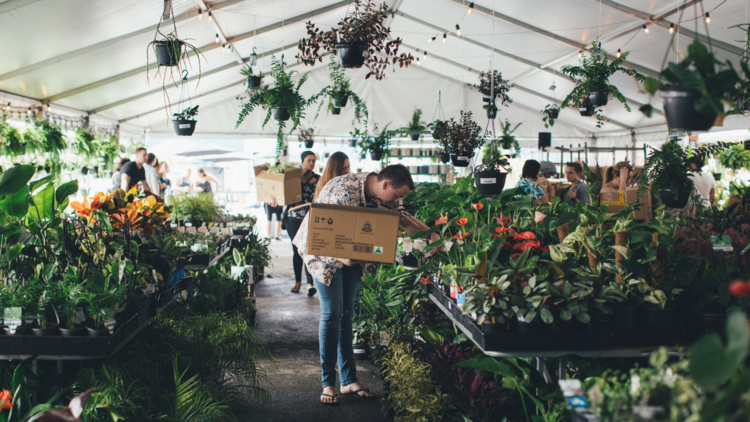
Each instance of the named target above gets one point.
<point>334,168</point>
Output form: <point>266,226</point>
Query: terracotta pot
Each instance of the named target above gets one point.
<point>562,231</point>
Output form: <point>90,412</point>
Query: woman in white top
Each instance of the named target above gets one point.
<point>152,176</point>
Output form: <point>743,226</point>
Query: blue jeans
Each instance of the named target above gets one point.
<point>336,310</point>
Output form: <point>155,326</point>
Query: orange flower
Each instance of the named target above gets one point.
<point>477,206</point>
<point>6,401</point>
<point>442,220</point>
<point>461,235</point>
<point>462,222</point>
<point>524,236</point>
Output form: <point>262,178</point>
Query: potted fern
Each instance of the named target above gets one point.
<point>592,78</point>
<point>377,146</point>
<point>415,125</point>
<point>339,92</point>
<point>359,39</point>
<point>253,80</point>
<point>490,92</point>
<point>507,141</point>
<point>283,101</point>
<point>184,122</point>
<point>462,138</point>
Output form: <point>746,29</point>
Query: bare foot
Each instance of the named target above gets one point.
<point>361,391</point>
<point>329,396</point>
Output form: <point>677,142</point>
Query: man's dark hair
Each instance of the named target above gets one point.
<point>137,150</point>
<point>577,167</point>
<point>151,157</point>
<point>531,169</point>
<point>398,175</point>
<point>698,161</point>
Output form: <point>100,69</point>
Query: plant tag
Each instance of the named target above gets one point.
<point>487,181</point>
<point>109,320</point>
<point>448,245</point>
<point>30,319</point>
<point>384,338</point>
<point>184,125</point>
<point>188,224</point>
<point>573,392</point>
<point>420,244</point>
<point>12,318</point>
<point>462,158</point>
<point>408,245</point>
<point>79,316</point>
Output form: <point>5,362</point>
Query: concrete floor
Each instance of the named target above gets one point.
<point>288,322</point>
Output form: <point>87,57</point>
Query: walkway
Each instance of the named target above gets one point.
<point>289,324</point>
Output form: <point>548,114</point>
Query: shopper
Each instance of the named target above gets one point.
<point>338,165</point>
<point>618,177</point>
<point>547,171</point>
<point>529,177</point>
<point>337,279</point>
<point>185,185</point>
<point>116,175</point>
<point>133,173</point>
<point>164,182</point>
<point>704,182</point>
<point>273,208</point>
<point>152,176</point>
<point>578,191</point>
<point>203,184</point>
<point>295,216</point>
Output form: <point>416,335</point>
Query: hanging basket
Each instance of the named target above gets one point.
<point>490,183</point>
<point>667,197</point>
<point>491,113</point>
<point>253,81</point>
<point>168,52</point>
<point>184,127</point>
<point>599,98</point>
<point>309,144</point>
<point>336,111</point>
<point>414,136</point>
<point>340,102</point>
<point>586,109</point>
<point>353,143</point>
<point>376,155</point>
<point>445,157</point>
<point>552,113</point>
<point>461,159</point>
<point>351,55</point>
<point>280,114</point>
<point>679,107</point>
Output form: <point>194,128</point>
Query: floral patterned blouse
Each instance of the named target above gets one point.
<point>347,190</point>
<point>308,192</point>
<point>532,189</point>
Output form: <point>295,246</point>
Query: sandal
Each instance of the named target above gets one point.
<point>311,290</point>
<point>296,287</point>
<point>363,396</point>
<point>332,402</point>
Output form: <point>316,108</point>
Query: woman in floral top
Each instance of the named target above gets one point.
<point>529,175</point>
<point>295,217</point>
<point>338,279</point>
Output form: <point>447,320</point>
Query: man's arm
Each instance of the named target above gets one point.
<point>411,225</point>
<point>124,181</point>
<point>145,185</point>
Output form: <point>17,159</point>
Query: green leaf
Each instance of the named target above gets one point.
<point>555,254</point>
<point>15,178</point>
<point>711,362</point>
<point>651,85</point>
<point>16,204</point>
<point>14,251</point>
<point>546,316</point>
<point>488,364</point>
<point>43,199</point>
<point>65,190</point>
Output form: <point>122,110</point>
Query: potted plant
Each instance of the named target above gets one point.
<point>283,101</point>
<point>463,137</point>
<point>698,88</point>
<point>489,176</point>
<point>184,122</point>
<point>592,78</point>
<point>415,125</point>
<point>197,209</point>
<point>377,146</point>
<point>507,140</point>
<point>439,130</point>
<point>491,92</point>
<point>551,113</point>
<point>253,81</point>
<point>240,269</point>
<point>361,38</point>
<point>339,92</point>
<point>306,136</point>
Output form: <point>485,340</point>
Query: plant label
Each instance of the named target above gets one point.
<point>487,180</point>
<point>12,318</point>
<point>79,316</point>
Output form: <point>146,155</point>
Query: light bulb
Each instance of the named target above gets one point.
<point>431,39</point>
<point>458,30</point>
<point>424,56</point>
<point>200,14</point>
<point>580,53</point>
<point>216,40</point>
<point>445,38</point>
<point>671,28</point>
<point>645,28</point>
<point>7,107</point>
<point>418,62</point>
<point>210,18</point>
<point>223,47</point>
<point>28,111</point>
<point>708,18</point>
<point>49,107</point>
<point>471,7</point>
<point>619,52</point>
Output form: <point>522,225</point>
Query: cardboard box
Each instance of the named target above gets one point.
<point>558,189</point>
<point>285,188</point>
<point>618,200</point>
<point>362,234</point>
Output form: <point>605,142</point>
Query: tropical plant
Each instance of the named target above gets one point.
<point>415,125</point>
<point>593,75</point>
<point>187,114</point>
<point>734,158</point>
<point>501,87</point>
<point>195,207</point>
<point>492,160</point>
<point>340,91</point>
<point>377,145</point>
<point>247,72</point>
<point>464,134</point>
<point>362,26</point>
<point>284,94</point>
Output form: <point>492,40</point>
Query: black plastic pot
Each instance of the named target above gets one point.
<point>624,317</point>
<point>598,98</point>
<point>49,331</point>
<point>168,52</point>
<point>490,328</point>
<point>284,152</point>
<point>352,143</point>
<point>74,332</point>
<point>586,109</point>
<point>309,144</point>
<point>84,170</point>
<point>361,351</point>
<point>98,332</point>
<point>376,156</point>
<point>667,197</point>
<point>351,55</point>
<point>445,157</point>
<point>341,102</point>
<point>410,261</point>
<point>414,136</point>
<point>23,330</point>
<point>461,159</point>
<point>491,113</point>
<point>552,113</point>
<point>184,127</point>
<point>679,108</point>
<point>655,317</point>
<point>711,321</point>
<point>490,183</point>
<point>253,81</point>
<point>717,176</point>
<point>280,114</point>
<point>336,111</point>
<point>572,326</point>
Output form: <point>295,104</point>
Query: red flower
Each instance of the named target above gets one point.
<point>462,222</point>
<point>545,249</point>
<point>6,401</point>
<point>477,206</point>
<point>507,245</point>
<point>503,229</point>
<point>515,255</point>
<point>494,235</point>
<point>501,221</point>
<point>461,235</point>
<point>524,236</point>
<point>442,220</point>
<point>740,288</point>
<point>531,244</point>
<point>517,247</point>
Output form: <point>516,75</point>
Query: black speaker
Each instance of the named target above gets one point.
<point>545,140</point>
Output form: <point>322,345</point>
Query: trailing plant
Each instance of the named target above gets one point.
<point>339,89</point>
<point>548,120</point>
<point>492,160</point>
<point>247,72</point>
<point>464,134</point>
<point>187,114</point>
<point>85,144</point>
<point>415,125</point>
<point>485,87</point>
<point>11,141</point>
<point>363,26</point>
<point>284,94</point>
<point>378,144</point>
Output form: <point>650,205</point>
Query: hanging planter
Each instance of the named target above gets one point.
<point>168,52</point>
<point>445,157</point>
<point>415,125</point>
<point>340,101</point>
<point>339,92</point>
<point>461,159</point>
<point>336,111</point>
<point>489,177</point>
<point>586,109</point>
<point>281,114</point>
<point>490,183</point>
<point>184,122</point>
<point>353,143</point>
<point>351,55</point>
<point>599,98</point>
<point>491,90</point>
<point>552,113</point>
<point>309,144</point>
<point>667,197</point>
<point>679,108</point>
<point>253,80</point>
<point>376,155</point>
<point>306,136</point>
<point>377,146</point>
<point>492,112</point>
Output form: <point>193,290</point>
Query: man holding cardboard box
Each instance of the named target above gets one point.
<point>336,237</point>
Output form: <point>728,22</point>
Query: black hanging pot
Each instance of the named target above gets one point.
<point>309,144</point>
<point>284,152</point>
<point>376,155</point>
<point>280,114</point>
<point>363,155</point>
<point>336,111</point>
<point>599,98</point>
<point>435,135</point>
<point>491,113</point>
<point>340,101</point>
<point>184,127</point>
<point>253,81</point>
<point>461,159</point>
<point>168,52</point>
<point>490,183</point>
<point>586,109</point>
<point>351,55</point>
<point>552,113</point>
<point>84,170</point>
<point>667,197</point>
<point>414,136</point>
<point>353,143</point>
<point>445,157</point>
<point>717,176</point>
<point>679,107</point>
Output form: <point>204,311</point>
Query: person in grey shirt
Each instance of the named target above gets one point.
<point>578,190</point>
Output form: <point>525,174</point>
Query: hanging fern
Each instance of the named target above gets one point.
<point>10,140</point>
<point>339,88</point>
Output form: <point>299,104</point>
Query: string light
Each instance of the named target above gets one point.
<point>708,18</point>
<point>216,40</point>
<point>7,107</point>
<point>210,18</point>
<point>200,14</point>
<point>580,53</point>
<point>424,56</point>
<point>458,30</point>
<point>645,28</point>
<point>471,7</point>
<point>445,37</point>
<point>28,111</point>
<point>619,52</point>
<point>671,28</point>
<point>223,47</point>
<point>418,62</point>
<point>431,39</point>
<point>49,107</point>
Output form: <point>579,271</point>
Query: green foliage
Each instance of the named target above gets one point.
<point>416,124</point>
<point>378,144</point>
<point>546,117</point>
<point>200,206</point>
<point>711,362</point>
<point>187,114</point>
<point>464,135</point>
<point>501,88</point>
<point>735,157</point>
<point>341,87</point>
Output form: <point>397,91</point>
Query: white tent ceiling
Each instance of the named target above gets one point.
<point>90,56</point>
